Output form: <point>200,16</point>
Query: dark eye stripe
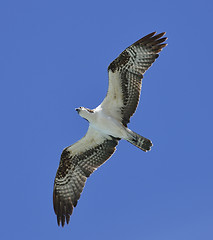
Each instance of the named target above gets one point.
<point>89,110</point>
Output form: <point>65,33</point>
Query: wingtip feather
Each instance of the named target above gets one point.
<point>67,218</point>
<point>62,220</point>
<point>145,38</point>
<point>58,220</point>
<point>152,38</point>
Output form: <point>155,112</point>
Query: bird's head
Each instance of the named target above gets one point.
<point>84,112</point>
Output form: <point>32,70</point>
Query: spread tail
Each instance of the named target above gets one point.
<point>139,141</point>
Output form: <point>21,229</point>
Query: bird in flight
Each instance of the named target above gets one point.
<point>107,124</point>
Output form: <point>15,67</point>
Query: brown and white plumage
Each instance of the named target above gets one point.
<point>126,73</point>
<point>108,124</point>
<point>77,163</point>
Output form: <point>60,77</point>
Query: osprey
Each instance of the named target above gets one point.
<point>107,124</point>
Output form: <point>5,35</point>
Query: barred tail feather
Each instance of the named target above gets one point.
<point>140,142</point>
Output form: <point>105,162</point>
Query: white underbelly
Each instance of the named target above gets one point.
<point>109,126</point>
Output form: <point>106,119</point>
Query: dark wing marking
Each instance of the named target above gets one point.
<point>126,73</point>
<point>77,162</point>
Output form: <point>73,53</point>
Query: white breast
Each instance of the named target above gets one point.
<point>108,125</point>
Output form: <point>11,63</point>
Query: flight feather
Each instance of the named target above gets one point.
<point>77,162</point>
<point>126,73</point>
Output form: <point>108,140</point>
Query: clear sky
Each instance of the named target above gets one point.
<point>53,58</point>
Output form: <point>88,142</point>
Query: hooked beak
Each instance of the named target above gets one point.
<point>77,109</point>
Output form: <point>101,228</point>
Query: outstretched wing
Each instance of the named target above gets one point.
<point>77,162</point>
<point>126,73</point>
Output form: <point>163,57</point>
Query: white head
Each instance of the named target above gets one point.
<point>85,112</point>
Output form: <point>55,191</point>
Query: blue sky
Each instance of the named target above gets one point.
<point>54,57</point>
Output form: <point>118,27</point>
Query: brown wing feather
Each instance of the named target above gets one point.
<point>75,166</point>
<point>127,71</point>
